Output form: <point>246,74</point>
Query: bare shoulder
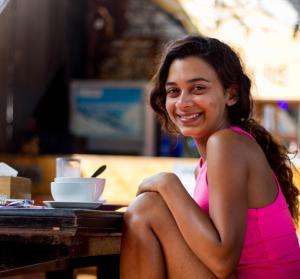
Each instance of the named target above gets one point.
<point>222,136</point>
<point>232,146</point>
<point>229,163</point>
<point>229,138</point>
<point>227,135</point>
<point>229,152</point>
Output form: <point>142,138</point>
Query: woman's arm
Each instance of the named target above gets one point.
<point>216,239</point>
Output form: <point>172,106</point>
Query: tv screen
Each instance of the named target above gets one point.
<point>111,115</point>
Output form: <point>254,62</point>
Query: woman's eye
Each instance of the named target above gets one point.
<point>199,88</point>
<point>173,91</point>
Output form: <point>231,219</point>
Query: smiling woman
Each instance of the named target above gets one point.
<point>191,82</point>
<point>239,222</point>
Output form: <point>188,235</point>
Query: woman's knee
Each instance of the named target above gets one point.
<point>142,210</point>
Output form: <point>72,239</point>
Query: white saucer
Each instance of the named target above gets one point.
<point>83,205</point>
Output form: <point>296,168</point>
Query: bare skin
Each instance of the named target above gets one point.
<point>165,220</point>
<point>149,225</point>
<point>166,234</point>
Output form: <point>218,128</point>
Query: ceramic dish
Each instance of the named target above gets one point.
<point>99,205</point>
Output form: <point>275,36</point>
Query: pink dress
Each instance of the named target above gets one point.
<point>271,248</point>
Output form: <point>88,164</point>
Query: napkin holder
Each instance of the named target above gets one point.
<point>15,187</point>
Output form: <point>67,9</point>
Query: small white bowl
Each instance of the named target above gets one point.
<point>74,191</point>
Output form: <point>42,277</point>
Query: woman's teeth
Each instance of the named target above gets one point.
<point>189,117</point>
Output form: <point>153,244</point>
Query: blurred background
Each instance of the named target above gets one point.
<point>74,75</point>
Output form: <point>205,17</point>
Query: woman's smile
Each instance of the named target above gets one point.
<point>196,101</point>
<point>189,118</point>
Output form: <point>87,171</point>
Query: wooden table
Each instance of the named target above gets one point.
<point>56,241</point>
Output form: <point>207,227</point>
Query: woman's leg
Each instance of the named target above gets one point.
<point>152,245</point>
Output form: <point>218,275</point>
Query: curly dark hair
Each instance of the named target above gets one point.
<point>229,69</point>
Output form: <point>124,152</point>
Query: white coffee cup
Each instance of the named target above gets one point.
<point>99,181</point>
<point>77,190</point>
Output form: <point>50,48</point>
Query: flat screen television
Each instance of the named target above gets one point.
<point>112,116</point>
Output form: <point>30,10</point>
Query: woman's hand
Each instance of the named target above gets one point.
<point>156,182</point>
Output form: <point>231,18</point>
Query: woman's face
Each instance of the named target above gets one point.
<point>196,100</point>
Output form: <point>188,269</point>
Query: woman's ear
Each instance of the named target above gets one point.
<point>232,95</point>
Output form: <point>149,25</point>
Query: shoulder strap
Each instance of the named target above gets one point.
<point>238,129</point>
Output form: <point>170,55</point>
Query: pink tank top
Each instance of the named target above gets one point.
<point>271,248</point>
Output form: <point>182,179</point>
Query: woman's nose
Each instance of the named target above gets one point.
<point>185,100</point>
